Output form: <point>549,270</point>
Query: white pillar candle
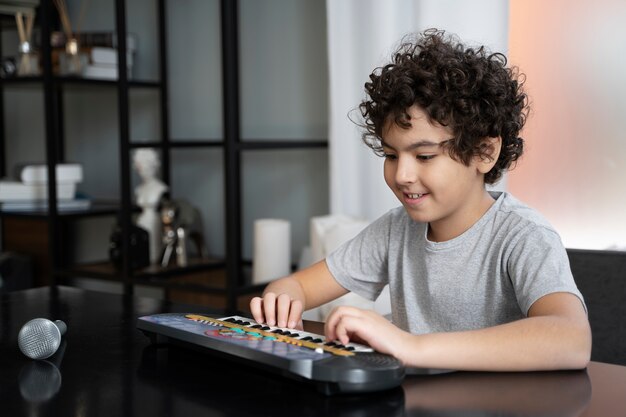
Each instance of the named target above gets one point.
<point>272,250</point>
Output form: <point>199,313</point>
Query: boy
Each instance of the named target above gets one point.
<point>478,280</point>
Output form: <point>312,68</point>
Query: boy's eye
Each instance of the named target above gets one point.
<point>390,156</point>
<point>425,157</point>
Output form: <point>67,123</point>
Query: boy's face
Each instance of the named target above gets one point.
<point>433,187</point>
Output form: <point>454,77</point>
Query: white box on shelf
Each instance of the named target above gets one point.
<point>103,72</point>
<point>105,55</point>
<point>18,191</point>
<point>38,173</point>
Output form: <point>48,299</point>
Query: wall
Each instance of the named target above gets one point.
<point>283,96</point>
<point>573,54</point>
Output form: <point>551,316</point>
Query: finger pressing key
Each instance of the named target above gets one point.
<point>256,308</point>
<point>283,304</point>
<point>269,308</point>
<point>295,315</point>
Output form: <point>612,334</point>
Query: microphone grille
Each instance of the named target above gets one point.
<point>39,339</point>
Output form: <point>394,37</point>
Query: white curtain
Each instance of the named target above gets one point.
<point>362,34</point>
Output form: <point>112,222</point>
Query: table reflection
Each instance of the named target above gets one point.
<point>197,381</point>
<point>557,394</point>
<point>40,380</point>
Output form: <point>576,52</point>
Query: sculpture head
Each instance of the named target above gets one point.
<point>146,162</point>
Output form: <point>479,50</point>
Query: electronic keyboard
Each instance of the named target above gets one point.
<point>332,367</point>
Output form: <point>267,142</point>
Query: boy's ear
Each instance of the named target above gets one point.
<point>491,147</point>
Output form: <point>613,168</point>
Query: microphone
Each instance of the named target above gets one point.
<point>40,338</point>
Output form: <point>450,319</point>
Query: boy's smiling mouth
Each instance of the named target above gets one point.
<point>413,198</point>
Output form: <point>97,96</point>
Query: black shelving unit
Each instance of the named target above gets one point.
<point>152,275</point>
<point>53,89</point>
<point>237,281</point>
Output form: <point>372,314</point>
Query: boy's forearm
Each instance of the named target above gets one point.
<point>313,286</point>
<point>534,343</point>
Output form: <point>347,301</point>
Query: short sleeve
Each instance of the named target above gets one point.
<point>538,265</point>
<point>360,264</point>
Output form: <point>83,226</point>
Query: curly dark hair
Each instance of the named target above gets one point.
<point>471,91</point>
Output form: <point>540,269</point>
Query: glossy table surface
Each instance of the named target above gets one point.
<point>105,367</point>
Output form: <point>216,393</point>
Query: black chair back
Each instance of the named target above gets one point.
<point>601,278</point>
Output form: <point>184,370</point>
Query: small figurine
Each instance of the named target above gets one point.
<point>170,235</point>
<point>148,195</point>
<point>181,221</point>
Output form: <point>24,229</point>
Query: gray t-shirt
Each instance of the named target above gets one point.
<point>489,275</point>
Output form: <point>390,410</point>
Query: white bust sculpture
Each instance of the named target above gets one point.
<point>147,195</point>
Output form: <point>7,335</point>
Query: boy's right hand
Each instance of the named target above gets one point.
<point>277,310</point>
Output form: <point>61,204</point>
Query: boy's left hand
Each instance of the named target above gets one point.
<point>364,326</point>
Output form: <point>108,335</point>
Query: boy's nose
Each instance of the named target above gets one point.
<point>406,172</point>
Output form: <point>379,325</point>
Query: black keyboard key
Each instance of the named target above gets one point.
<point>317,340</point>
<point>265,328</point>
<point>307,338</point>
<point>256,326</point>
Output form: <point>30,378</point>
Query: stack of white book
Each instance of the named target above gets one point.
<point>30,190</point>
<point>103,61</point>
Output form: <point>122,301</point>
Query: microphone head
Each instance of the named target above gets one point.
<point>39,338</point>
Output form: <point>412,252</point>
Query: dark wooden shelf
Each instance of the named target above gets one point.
<point>147,276</point>
<point>193,265</point>
<point>21,80</point>
<point>102,82</point>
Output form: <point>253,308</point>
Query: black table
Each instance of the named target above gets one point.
<point>106,367</point>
